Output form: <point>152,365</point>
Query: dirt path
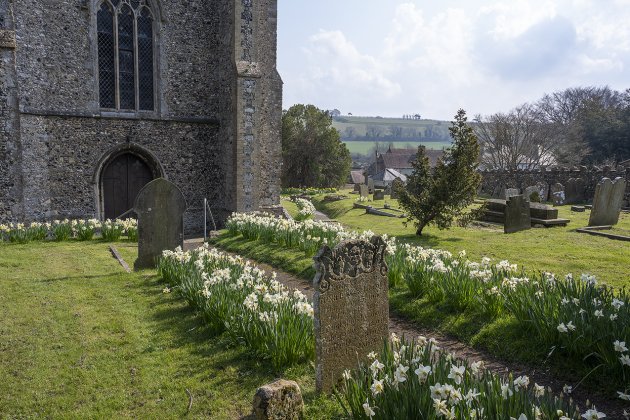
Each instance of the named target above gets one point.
<point>614,408</point>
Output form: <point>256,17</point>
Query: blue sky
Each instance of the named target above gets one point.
<point>390,57</point>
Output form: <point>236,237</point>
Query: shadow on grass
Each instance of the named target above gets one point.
<point>427,240</point>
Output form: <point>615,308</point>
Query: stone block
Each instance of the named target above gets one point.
<point>278,400</point>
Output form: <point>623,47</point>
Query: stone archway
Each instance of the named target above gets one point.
<point>119,177</point>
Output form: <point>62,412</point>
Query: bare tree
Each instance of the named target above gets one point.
<point>373,131</point>
<point>519,139</point>
<point>395,131</point>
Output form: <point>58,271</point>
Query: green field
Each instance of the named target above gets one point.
<point>365,147</point>
<point>361,133</point>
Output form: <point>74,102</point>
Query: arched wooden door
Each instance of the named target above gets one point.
<point>122,180</point>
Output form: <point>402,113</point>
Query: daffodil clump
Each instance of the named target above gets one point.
<point>254,309</point>
<point>308,191</point>
<point>416,379</point>
<point>63,230</point>
<point>306,209</point>
<point>573,316</point>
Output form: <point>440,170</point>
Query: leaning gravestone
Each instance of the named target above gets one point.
<point>160,206</point>
<point>396,185</point>
<point>607,202</point>
<point>517,215</point>
<point>557,194</point>
<point>510,192</point>
<point>351,307</point>
<point>363,190</point>
<point>575,191</point>
<point>379,195</point>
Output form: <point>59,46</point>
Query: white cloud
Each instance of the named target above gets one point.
<point>485,57</point>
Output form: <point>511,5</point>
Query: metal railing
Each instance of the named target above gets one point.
<point>206,209</point>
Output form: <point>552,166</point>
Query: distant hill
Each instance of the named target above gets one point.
<point>361,134</point>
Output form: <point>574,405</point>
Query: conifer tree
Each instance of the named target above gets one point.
<point>442,194</point>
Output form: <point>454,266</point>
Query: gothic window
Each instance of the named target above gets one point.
<point>126,36</point>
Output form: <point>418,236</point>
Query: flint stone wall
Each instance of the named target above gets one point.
<point>215,131</point>
<point>494,180</point>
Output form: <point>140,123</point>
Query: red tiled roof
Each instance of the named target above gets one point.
<point>402,158</point>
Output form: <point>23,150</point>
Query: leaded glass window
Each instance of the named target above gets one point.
<point>126,36</point>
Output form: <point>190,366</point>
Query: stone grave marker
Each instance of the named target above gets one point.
<point>607,202</point>
<point>370,186</point>
<point>510,192</point>
<point>379,195</point>
<point>396,185</point>
<point>575,191</point>
<point>357,187</point>
<point>363,190</point>
<point>351,307</point>
<point>557,194</point>
<point>160,206</point>
<point>529,191</point>
<point>517,215</point>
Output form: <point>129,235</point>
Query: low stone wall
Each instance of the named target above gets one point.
<point>495,181</point>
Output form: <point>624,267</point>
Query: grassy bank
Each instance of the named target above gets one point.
<point>83,339</point>
<point>560,250</point>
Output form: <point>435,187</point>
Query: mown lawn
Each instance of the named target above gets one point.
<point>80,338</point>
<point>560,250</point>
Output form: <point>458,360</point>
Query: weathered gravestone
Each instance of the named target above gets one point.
<point>357,187</point>
<point>532,194</point>
<point>557,194</point>
<point>607,202</point>
<point>379,195</point>
<point>517,215</point>
<point>160,206</point>
<point>281,399</point>
<point>363,190</point>
<point>575,191</point>
<point>397,184</point>
<point>542,190</point>
<point>371,186</point>
<point>510,192</point>
<point>351,307</point>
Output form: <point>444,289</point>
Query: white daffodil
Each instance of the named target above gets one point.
<point>377,387</point>
<point>506,392</point>
<point>368,410</point>
<point>562,328</point>
<point>593,414</point>
<point>457,374</point>
<point>539,390</point>
<point>567,389</point>
<point>620,346</point>
<point>347,375</point>
<point>599,313</point>
<point>521,382</point>
<point>423,373</point>
<point>400,375</point>
<point>625,360</point>
<point>623,396</point>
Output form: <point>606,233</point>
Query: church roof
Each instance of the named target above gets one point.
<point>403,158</point>
<point>389,175</point>
<point>357,177</point>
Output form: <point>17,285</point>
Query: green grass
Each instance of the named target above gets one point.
<point>365,147</point>
<point>83,339</point>
<point>560,250</point>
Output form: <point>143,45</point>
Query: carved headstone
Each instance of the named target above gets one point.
<point>357,187</point>
<point>557,194</point>
<point>363,190</point>
<point>370,186</point>
<point>379,195</point>
<point>351,307</point>
<point>160,206</point>
<point>517,215</point>
<point>510,192</point>
<point>530,196</point>
<point>607,202</point>
<point>575,191</point>
<point>397,184</point>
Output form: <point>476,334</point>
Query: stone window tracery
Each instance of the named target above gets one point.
<point>126,37</point>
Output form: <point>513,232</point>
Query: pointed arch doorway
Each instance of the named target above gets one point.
<point>122,179</point>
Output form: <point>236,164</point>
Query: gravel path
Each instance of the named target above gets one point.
<point>614,408</point>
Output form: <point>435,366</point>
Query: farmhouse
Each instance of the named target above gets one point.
<point>98,97</point>
<point>396,162</point>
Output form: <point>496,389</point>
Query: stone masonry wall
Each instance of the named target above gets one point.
<point>493,181</point>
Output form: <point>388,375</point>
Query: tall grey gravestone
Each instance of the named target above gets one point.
<point>351,307</point>
<point>371,186</point>
<point>510,192</point>
<point>363,190</point>
<point>607,202</point>
<point>575,191</point>
<point>160,206</point>
<point>397,184</point>
<point>517,215</point>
